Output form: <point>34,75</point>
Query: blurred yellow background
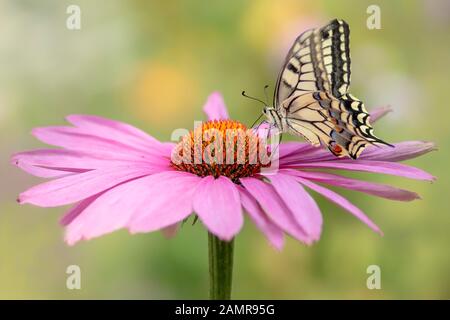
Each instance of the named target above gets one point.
<point>152,64</point>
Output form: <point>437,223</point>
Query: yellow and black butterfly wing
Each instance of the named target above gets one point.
<point>323,119</point>
<point>319,63</point>
<point>319,60</point>
<point>333,44</point>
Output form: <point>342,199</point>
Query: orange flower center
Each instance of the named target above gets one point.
<point>221,148</point>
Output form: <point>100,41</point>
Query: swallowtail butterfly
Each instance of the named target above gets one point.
<point>311,96</point>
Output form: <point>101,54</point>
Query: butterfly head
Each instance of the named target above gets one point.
<point>268,112</point>
<point>273,117</point>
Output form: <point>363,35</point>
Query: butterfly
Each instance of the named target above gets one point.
<point>311,97</point>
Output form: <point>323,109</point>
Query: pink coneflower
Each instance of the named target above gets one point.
<point>120,177</point>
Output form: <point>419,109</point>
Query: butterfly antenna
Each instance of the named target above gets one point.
<point>253,98</point>
<point>257,120</point>
<point>266,95</point>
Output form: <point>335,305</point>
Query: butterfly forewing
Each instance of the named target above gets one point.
<point>319,60</point>
<point>334,41</point>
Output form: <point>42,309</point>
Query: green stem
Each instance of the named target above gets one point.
<point>220,268</point>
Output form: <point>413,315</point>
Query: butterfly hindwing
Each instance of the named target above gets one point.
<point>324,119</point>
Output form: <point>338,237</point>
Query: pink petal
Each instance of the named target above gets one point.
<point>70,160</point>
<point>275,208</point>
<point>293,152</point>
<point>77,209</point>
<point>402,151</point>
<point>303,152</point>
<point>270,230</point>
<point>72,138</point>
<point>98,124</point>
<point>168,201</point>
<point>111,129</point>
<point>148,199</point>
<point>217,204</point>
<point>295,148</point>
<point>378,113</point>
<point>391,168</point>
<point>215,108</point>
<point>341,201</point>
<point>376,189</point>
<point>302,205</point>
<point>77,187</point>
<point>44,172</point>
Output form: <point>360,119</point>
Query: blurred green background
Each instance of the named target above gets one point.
<point>152,64</point>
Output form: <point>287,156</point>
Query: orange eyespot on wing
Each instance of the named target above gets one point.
<point>336,149</point>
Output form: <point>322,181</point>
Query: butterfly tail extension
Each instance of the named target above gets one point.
<point>361,119</point>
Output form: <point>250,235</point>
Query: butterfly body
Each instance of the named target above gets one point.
<point>311,97</point>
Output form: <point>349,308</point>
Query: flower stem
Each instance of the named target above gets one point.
<point>220,268</point>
